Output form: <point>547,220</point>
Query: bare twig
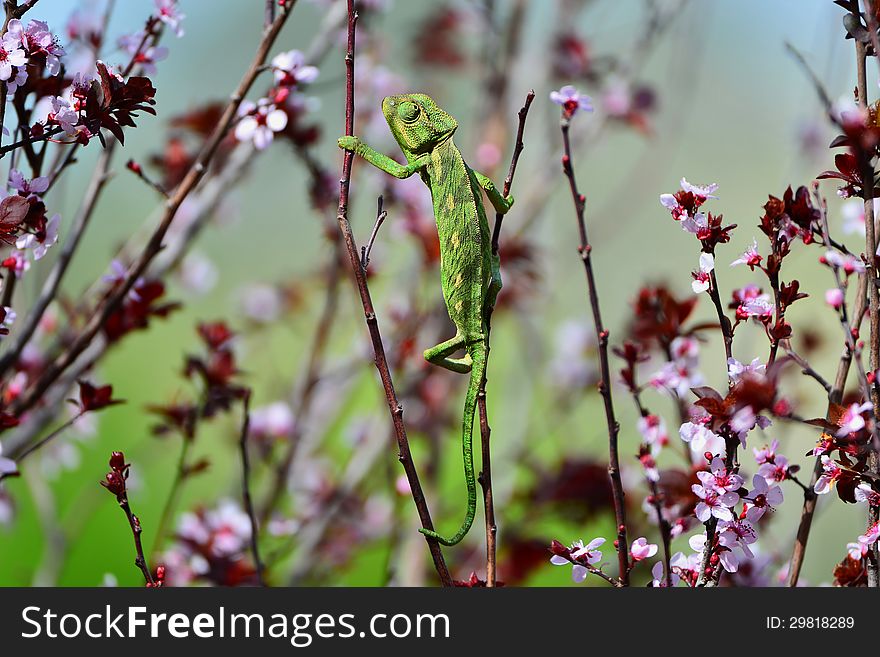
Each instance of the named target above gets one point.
<point>485,430</point>
<point>394,406</point>
<point>366,250</point>
<point>604,385</point>
<point>805,366</point>
<point>247,502</point>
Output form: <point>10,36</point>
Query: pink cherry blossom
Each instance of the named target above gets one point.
<point>702,278</point>
<point>736,370</point>
<point>64,115</point>
<point>834,297</point>
<point>849,264</point>
<point>701,438</point>
<point>641,549</point>
<point>274,420</point>
<point>168,13</point>
<point>777,470</point>
<point>762,497</point>
<point>37,38</point>
<point>571,100</point>
<point>853,212</point>
<point>686,568</point>
<point>719,479</point>
<point>259,122</point>
<point>659,575</point>
<point>767,453</point>
<point>588,554</point>
<point>831,472</point>
<point>857,550</point>
<point>700,191</point>
<point>712,503</point>
<point>852,419</point>
<point>290,69</point>
<point>40,243</point>
<point>750,257</point>
<point>11,54</point>
<point>653,430</point>
<point>146,58</point>
<point>864,493</point>
<point>27,187</point>
<point>737,533</point>
<point>17,262</point>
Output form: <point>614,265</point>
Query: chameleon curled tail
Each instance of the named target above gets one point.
<point>477,352</point>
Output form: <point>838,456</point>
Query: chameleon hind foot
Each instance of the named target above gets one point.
<point>439,355</point>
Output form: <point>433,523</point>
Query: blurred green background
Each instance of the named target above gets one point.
<point>733,108</point>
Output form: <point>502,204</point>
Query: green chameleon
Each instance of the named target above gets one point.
<point>469,272</point>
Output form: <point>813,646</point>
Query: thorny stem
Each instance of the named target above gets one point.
<point>247,501</point>
<point>485,477</point>
<point>585,251</point>
<point>154,245</point>
<point>381,362</point>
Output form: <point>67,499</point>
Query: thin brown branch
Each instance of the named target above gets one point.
<point>485,477</point>
<point>247,501</point>
<point>806,368</point>
<point>867,168</point>
<point>381,362</point>
<point>585,250</point>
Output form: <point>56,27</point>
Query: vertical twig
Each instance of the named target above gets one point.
<point>604,385</point>
<point>136,531</point>
<point>485,477</point>
<point>867,170</point>
<point>247,502</point>
<point>380,360</point>
<point>115,482</point>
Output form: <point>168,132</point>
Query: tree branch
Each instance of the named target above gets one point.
<point>394,406</point>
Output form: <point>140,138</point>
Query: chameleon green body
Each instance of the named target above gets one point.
<point>469,272</point>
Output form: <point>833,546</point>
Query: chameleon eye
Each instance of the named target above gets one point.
<point>409,112</point>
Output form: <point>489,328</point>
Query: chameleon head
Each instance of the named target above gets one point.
<point>416,122</point>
